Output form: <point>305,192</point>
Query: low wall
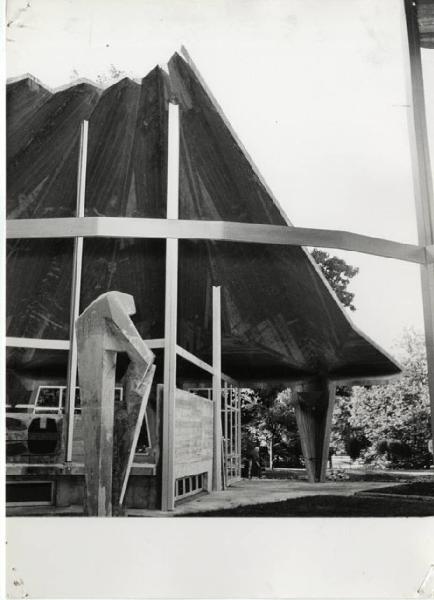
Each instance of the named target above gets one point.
<point>193,435</point>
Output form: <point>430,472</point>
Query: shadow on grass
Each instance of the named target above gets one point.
<point>418,488</point>
<point>328,506</point>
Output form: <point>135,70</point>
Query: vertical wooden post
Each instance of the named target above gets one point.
<point>270,450</point>
<point>171,314</point>
<point>75,296</point>
<point>216,386</point>
<point>314,402</point>
<point>422,178</point>
<point>239,433</point>
<point>226,393</point>
<point>232,434</point>
<point>237,436</point>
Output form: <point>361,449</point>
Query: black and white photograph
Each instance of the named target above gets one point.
<point>219,293</point>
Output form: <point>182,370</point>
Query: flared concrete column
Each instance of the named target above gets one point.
<point>313,402</point>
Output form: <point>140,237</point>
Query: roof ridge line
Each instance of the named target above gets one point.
<point>65,86</point>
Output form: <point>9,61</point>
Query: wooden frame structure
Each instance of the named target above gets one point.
<point>169,343</point>
<point>422,178</point>
<point>173,229</point>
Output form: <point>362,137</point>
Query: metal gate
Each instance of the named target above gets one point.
<point>231,433</point>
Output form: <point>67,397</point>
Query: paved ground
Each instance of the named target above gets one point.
<point>244,493</point>
<point>259,491</point>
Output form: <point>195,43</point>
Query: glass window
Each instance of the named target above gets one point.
<point>48,399</point>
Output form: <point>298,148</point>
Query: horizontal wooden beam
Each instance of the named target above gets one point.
<point>373,380</point>
<point>350,381</point>
<point>21,342</point>
<point>116,227</point>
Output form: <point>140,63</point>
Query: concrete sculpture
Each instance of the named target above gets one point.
<point>110,432</point>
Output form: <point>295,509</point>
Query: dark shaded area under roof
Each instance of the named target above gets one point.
<point>425,20</point>
<point>280,320</point>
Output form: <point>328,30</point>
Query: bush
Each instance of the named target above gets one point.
<point>354,446</point>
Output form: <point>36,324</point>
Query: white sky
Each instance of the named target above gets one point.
<point>314,88</point>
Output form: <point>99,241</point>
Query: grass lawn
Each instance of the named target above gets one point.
<point>329,506</point>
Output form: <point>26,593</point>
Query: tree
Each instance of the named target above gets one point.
<point>268,416</point>
<point>395,419</point>
<point>111,75</point>
<point>338,273</point>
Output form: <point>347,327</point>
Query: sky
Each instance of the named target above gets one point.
<point>315,90</point>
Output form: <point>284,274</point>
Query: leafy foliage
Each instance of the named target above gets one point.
<point>338,273</point>
<point>395,419</point>
<point>111,75</point>
<point>269,417</point>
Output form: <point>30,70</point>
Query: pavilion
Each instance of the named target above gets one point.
<point>144,188</point>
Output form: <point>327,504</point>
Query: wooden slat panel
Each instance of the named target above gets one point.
<point>193,448</point>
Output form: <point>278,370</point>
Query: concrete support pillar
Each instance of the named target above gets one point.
<point>313,402</point>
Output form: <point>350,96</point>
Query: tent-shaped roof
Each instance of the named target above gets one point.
<point>280,319</point>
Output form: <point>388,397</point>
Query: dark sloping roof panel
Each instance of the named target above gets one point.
<point>280,320</point>
<point>42,171</point>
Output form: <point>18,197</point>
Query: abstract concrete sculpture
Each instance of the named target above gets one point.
<point>110,432</point>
